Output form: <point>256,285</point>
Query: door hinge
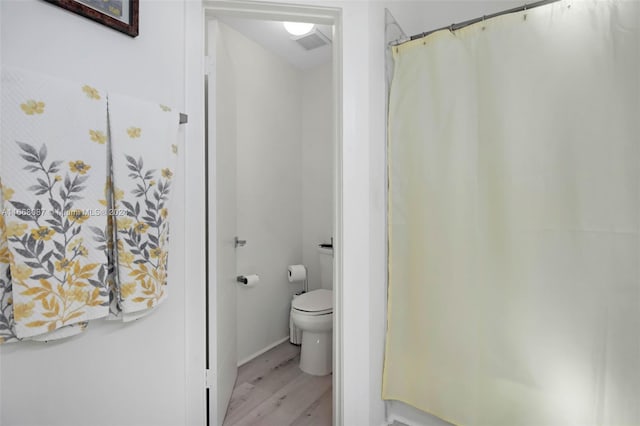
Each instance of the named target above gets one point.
<point>209,378</point>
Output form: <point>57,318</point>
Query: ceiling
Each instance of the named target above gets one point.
<point>272,36</point>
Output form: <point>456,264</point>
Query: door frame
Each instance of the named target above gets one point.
<point>318,15</point>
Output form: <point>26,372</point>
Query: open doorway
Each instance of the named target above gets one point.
<point>273,182</point>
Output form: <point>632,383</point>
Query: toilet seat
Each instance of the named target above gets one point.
<point>314,314</point>
<point>316,302</point>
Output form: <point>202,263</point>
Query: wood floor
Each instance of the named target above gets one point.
<point>271,390</point>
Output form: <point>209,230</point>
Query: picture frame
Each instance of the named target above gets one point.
<point>121,15</point>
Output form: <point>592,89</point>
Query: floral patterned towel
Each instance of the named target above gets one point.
<point>144,151</point>
<point>53,245</point>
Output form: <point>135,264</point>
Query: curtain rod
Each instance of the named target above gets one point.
<point>454,27</point>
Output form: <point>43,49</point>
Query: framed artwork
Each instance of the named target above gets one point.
<point>121,15</point>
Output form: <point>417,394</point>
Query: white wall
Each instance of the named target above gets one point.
<point>317,166</point>
<point>114,374</point>
<point>425,15</point>
<point>269,188</point>
<point>285,183</point>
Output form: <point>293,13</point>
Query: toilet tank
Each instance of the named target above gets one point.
<point>326,267</point>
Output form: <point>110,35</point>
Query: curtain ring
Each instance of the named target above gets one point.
<point>451,27</point>
<point>483,18</point>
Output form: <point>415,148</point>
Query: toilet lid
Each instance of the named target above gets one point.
<point>314,301</point>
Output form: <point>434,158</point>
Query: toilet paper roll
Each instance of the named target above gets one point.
<point>251,280</point>
<point>297,273</point>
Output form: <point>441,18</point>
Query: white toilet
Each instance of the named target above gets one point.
<point>312,313</point>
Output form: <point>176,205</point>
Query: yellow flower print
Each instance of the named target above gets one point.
<point>16,229</point>
<point>125,257</point>
<point>21,272</point>
<point>42,233</point>
<point>79,167</point>
<point>164,212</point>
<point>115,11</point>
<point>5,256</point>
<point>127,289</point>
<point>77,216</point>
<point>91,92</point>
<point>77,294</point>
<point>151,183</point>
<point>58,178</point>
<point>98,136</point>
<point>84,252</point>
<point>23,310</point>
<point>156,252</point>
<point>141,228</point>
<point>134,132</point>
<point>63,264</point>
<point>167,173</point>
<point>118,194</point>
<point>124,223</point>
<point>32,107</point>
<point>7,193</point>
<point>174,148</point>
<point>165,108</point>
<point>75,243</point>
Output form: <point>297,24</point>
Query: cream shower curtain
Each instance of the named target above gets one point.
<point>514,219</point>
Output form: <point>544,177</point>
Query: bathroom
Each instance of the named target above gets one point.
<point>283,210</point>
<point>157,371</point>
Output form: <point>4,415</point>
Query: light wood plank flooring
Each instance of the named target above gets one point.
<point>271,390</point>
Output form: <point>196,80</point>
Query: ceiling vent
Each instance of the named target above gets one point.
<point>312,40</point>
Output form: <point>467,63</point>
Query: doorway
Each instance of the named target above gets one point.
<point>223,269</point>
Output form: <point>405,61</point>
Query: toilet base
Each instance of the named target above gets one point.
<point>316,354</point>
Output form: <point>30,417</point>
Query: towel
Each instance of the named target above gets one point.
<point>144,148</point>
<point>53,171</point>
<point>7,327</point>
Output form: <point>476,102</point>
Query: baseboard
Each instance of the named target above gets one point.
<point>261,351</point>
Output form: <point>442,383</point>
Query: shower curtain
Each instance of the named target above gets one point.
<point>514,219</point>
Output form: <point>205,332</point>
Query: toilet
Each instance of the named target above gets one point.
<point>312,313</point>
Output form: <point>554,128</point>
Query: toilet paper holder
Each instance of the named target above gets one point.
<point>242,279</point>
<point>249,280</point>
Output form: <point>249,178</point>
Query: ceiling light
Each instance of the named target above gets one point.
<point>298,28</point>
